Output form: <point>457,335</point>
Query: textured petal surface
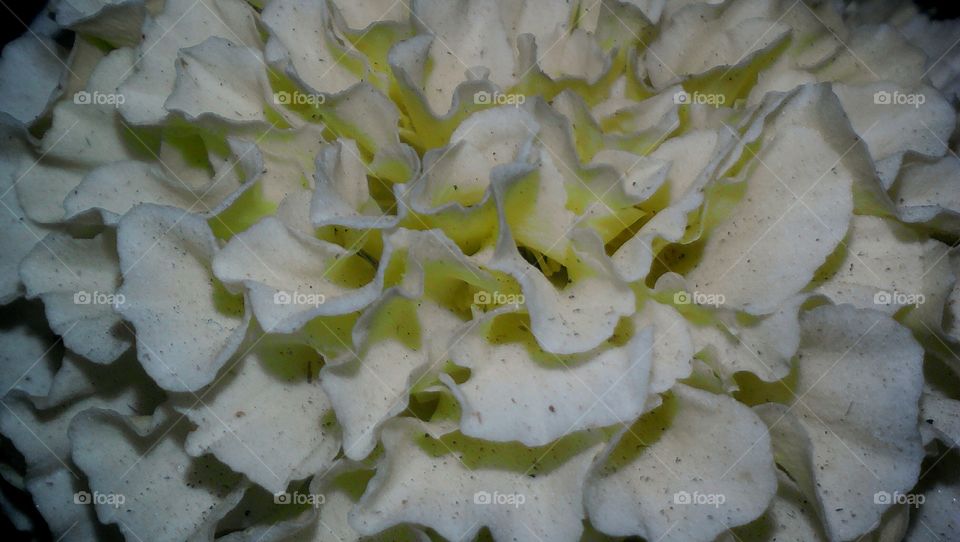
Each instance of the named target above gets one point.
<point>181,24</point>
<point>479,488</point>
<point>373,385</point>
<point>187,326</point>
<point>270,388</point>
<point>31,68</point>
<point>599,388</point>
<point>144,462</point>
<point>317,277</point>
<point>844,452</point>
<point>758,257</point>
<point>77,279</point>
<point>674,489</point>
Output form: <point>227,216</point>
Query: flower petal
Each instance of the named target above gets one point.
<point>514,391</point>
<point>406,488</point>
<point>77,279</point>
<point>181,24</point>
<point>266,419</point>
<point>31,70</point>
<point>219,79</point>
<point>852,432</point>
<point>695,492</point>
<point>316,278</point>
<point>165,492</point>
<point>187,327</point>
<point>802,181</point>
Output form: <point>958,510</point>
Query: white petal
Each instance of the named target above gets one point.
<point>517,392</point>
<point>31,69</point>
<point>181,24</point>
<point>579,316</point>
<point>764,347</point>
<point>18,234</point>
<point>893,119</point>
<point>87,127</point>
<point>941,415</point>
<point>372,119</point>
<point>219,79</point>
<point>303,31</point>
<point>41,435</point>
<point>676,487</point>
<point>42,185</point>
<point>937,519</point>
<point>114,189</point>
<point>672,346</point>
<point>26,351</point>
<point>266,419</point>
<point>875,53</point>
<point>168,495</point>
<point>852,432</point>
<point>359,14</point>
<point>701,37</point>
<point>316,277</point>
<point>927,191</point>
<point>466,35</point>
<point>341,488</point>
<point>795,211</point>
<point>342,196</point>
<point>77,279</point>
<point>284,160</point>
<point>790,517</point>
<point>459,173</point>
<point>887,267</point>
<point>369,389</point>
<point>186,327</point>
<point>116,21</point>
<point>692,158</point>
<point>415,486</point>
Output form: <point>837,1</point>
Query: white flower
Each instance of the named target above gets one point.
<point>676,271</point>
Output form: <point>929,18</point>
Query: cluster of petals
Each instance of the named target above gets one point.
<point>310,270</point>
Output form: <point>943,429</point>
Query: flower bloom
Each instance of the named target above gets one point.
<point>334,269</point>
